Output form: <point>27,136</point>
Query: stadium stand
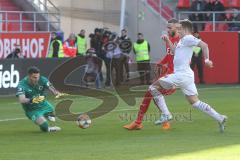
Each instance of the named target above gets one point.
<point>29,16</point>
<point>161,8</point>
<point>11,16</point>
<point>183,4</point>
<point>234,3</point>
<point>204,13</point>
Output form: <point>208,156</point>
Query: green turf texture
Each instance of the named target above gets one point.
<point>194,137</point>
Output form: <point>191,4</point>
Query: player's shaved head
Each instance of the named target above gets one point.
<point>171,27</point>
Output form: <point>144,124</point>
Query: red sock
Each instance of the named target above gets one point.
<point>144,107</point>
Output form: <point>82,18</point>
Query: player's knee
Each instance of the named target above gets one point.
<point>166,85</point>
<point>192,99</point>
<point>152,88</point>
<point>196,104</point>
<point>40,120</point>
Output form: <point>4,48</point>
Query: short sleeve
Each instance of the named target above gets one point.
<point>20,90</point>
<point>190,41</point>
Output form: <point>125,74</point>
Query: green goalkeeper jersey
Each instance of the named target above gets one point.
<point>32,91</point>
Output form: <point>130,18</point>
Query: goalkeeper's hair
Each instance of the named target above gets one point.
<point>33,69</point>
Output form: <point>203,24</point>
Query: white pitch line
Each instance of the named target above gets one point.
<point>12,119</point>
<point>24,118</point>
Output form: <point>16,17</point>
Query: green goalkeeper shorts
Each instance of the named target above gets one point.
<point>43,110</point>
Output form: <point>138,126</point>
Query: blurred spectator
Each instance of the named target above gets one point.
<point>197,59</point>
<point>141,49</point>
<point>218,7</point>
<point>208,5</point>
<point>113,61</point>
<point>125,55</point>
<point>229,18</point>
<point>96,43</point>
<point>70,46</point>
<point>81,43</point>
<point>197,6</point>
<point>56,47</point>
<point>208,8</point>
<point>196,17</point>
<point>93,69</point>
<point>15,54</point>
<point>236,17</point>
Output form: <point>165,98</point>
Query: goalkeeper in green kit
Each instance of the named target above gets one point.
<point>30,92</point>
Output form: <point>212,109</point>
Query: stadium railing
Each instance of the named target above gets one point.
<point>48,6</point>
<point>21,21</point>
<point>211,25</point>
<point>44,16</point>
<point>159,7</point>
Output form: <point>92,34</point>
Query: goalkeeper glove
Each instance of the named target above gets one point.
<point>59,95</point>
<point>37,99</point>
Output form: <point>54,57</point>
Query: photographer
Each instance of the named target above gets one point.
<point>125,55</point>
<point>106,49</point>
<point>94,65</point>
<point>96,42</point>
<point>15,54</point>
<point>113,60</point>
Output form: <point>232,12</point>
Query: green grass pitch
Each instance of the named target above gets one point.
<point>193,136</point>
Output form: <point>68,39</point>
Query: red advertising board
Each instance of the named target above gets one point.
<point>33,45</point>
<point>224,52</point>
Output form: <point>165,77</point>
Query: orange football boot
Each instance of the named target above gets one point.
<point>133,126</point>
<point>166,126</point>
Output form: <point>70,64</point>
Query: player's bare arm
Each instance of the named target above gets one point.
<point>205,50</point>
<point>54,91</point>
<point>23,100</point>
<point>169,43</point>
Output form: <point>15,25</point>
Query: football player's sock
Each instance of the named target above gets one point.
<point>144,107</point>
<point>44,126</point>
<point>159,100</point>
<point>209,110</point>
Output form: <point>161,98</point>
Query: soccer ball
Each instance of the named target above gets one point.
<point>84,121</point>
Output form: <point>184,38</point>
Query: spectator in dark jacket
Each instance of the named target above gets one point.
<point>208,8</point>
<point>15,54</point>
<point>125,56</point>
<point>197,6</point>
<point>208,5</point>
<point>218,6</point>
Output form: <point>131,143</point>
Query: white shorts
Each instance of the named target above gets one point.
<point>183,81</point>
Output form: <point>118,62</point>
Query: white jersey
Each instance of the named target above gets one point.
<point>183,54</point>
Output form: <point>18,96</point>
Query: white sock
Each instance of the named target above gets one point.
<point>159,100</point>
<point>209,110</point>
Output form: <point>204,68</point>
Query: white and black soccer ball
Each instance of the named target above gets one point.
<point>84,121</point>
